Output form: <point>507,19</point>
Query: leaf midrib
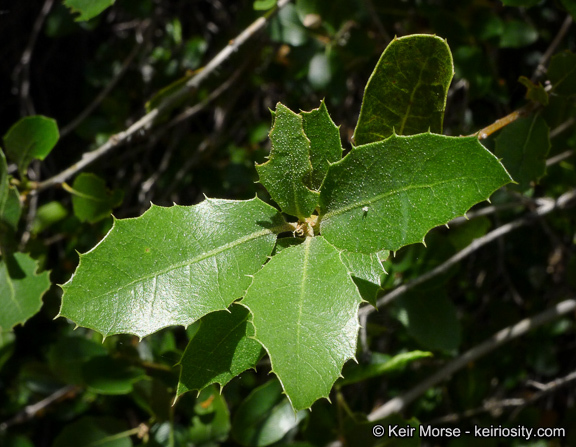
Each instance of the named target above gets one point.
<point>383,196</point>
<point>194,260</point>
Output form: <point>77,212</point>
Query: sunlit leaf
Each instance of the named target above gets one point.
<point>388,194</point>
<point>170,266</point>
<point>88,8</point>
<point>304,306</point>
<point>31,138</point>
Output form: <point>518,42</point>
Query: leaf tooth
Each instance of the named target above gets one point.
<point>446,225</point>
<point>424,243</point>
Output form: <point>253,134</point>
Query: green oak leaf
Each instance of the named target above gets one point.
<point>91,431</point>
<point>9,199</point>
<point>523,146</point>
<point>288,172</point>
<point>305,312</point>
<point>171,266</point>
<point>265,416</point>
<point>562,73</point>
<point>407,91</point>
<point>210,424</point>
<point>21,289</point>
<point>388,194</point>
<point>430,318</point>
<point>219,351</point>
<point>366,270</point>
<point>31,138</point>
<point>379,364</point>
<point>91,200</point>
<point>325,144</point>
<point>88,8</point>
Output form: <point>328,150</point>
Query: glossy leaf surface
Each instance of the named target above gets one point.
<point>21,289</point>
<point>325,144</point>
<point>388,194</point>
<point>219,351</point>
<point>304,306</point>
<point>170,266</point>
<point>406,93</point>
<point>366,271</point>
<point>31,138</point>
<point>523,146</point>
<point>288,173</point>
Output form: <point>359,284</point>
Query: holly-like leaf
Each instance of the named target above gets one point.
<point>388,194</point>
<point>21,289</point>
<point>523,146</point>
<point>288,172</point>
<point>170,266</point>
<point>406,93</point>
<point>91,200</point>
<point>220,350</point>
<point>30,138</point>
<point>562,73</point>
<point>366,271</point>
<point>325,144</point>
<point>88,8</point>
<point>305,312</point>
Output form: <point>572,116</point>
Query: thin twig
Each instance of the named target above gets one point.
<point>31,410</point>
<point>541,68</point>
<point>508,334</point>
<point>22,71</point>
<point>147,120</point>
<point>545,206</point>
<point>107,89</point>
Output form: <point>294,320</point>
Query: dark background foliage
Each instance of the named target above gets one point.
<point>299,59</point>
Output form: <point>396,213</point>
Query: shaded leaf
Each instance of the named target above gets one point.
<point>47,215</point>
<point>562,73</point>
<point>524,3</point>
<point>170,266</point>
<point>325,144</point>
<point>406,93</point>
<point>113,376</point>
<point>570,6</point>
<point>517,34</point>
<point>21,289</point>
<point>534,92</point>
<point>67,357</point>
<point>91,200</point>
<point>10,210</point>
<point>265,416</point>
<point>305,312</point>
<point>388,194</point>
<point>31,138</point>
<point>523,146</point>
<point>366,271</point>
<point>94,431</point>
<point>379,364</point>
<point>288,172</point>
<point>211,422</point>
<point>88,8</point>
<point>430,318</point>
<point>220,350</point>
